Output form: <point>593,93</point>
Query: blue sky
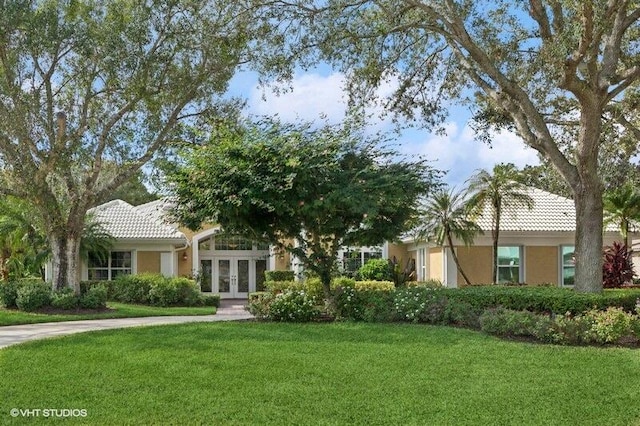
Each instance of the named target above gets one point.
<point>320,93</point>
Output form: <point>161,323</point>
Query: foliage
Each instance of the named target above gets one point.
<point>95,90</point>
<point>8,293</point>
<point>210,300</point>
<point>33,296</point>
<point>156,290</point>
<point>608,326</point>
<point>375,269</point>
<point>617,266</point>
<point>446,216</point>
<point>401,275</point>
<point>561,75</point>
<point>293,306</point>
<point>363,305</point>
<point>507,322</point>
<point>307,191</point>
<point>259,303</point>
<point>65,299</point>
<point>622,207</point>
<point>94,298</point>
<point>498,193</point>
<point>420,304</point>
<point>372,285</point>
<point>279,275</point>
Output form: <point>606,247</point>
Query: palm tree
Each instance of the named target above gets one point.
<point>497,191</point>
<point>445,217</point>
<point>622,207</point>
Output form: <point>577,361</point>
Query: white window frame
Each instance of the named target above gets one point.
<point>562,265</point>
<point>110,269</point>
<point>520,264</point>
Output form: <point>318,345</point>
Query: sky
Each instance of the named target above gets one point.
<point>320,93</point>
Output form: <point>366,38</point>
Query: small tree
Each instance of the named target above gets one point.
<point>446,216</point>
<point>617,267</point>
<point>622,207</point>
<point>497,191</point>
<point>309,192</point>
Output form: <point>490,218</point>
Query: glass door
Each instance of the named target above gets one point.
<point>235,278</point>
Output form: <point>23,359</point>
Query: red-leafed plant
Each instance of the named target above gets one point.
<point>617,268</point>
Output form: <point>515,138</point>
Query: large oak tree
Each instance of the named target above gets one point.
<point>547,68</point>
<point>91,90</point>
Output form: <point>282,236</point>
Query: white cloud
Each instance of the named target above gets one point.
<point>312,96</point>
<point>457,152</point>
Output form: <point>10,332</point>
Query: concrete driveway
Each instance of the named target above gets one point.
<point>14,334</point>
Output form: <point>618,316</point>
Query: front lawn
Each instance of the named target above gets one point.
<point>339,373</point>
<point>117,310</point>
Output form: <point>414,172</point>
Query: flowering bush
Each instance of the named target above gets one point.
<point>293,305</point>
<point>420,304</point>
<point>364,304</point>
<point>608,326</point>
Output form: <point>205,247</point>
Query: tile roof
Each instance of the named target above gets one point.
<point>550,213</point>
<point>124,221</point>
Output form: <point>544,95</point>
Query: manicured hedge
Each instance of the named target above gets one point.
<point>542,299</point>
<point>279,276</point>
<point>155,290</point>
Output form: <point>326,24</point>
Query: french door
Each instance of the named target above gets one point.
<point>232,277</point>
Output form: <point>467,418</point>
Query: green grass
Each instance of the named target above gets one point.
<point>120,310</point>
<point>343,373</point>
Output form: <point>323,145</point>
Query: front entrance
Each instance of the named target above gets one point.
<point>232,277</point>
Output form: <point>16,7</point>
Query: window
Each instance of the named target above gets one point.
<point>568,265</point>
<point>353,259</point>
<point>101,268</point>
<point>231,242</point>
<point>509,264</point>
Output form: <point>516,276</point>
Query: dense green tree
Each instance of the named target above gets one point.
<point>309,192</point>
<point>622,207</point>
<point>446,215</point>
<point>544,68</point>
<point>85,85</point>
<point>497,191</point>
<point>133,191</point>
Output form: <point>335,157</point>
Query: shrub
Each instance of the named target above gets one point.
<point>608,326</point>
<point>364,305</point>
<point>209,300</point>
<point>293,305</point>
<point>420,304</point>
<point>109,285</point>
<point>276,287</point>
<point>94,298</point>
<point>65,299</point>
<point>429,284</point>
<point>343,282</point>
<point>134,288</point>
<point>279,275</point>
<point>507,322</point>
<point>374,285</point>
<point>376,270</point>
<point>259,303</point>
<point>33,296</point>
<point>8,293</point>
<point>461,314</point>
<point>617,266</point>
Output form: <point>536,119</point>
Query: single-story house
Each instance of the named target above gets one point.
<point>536,247</point>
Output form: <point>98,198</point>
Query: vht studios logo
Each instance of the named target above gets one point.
<point>48,412</point>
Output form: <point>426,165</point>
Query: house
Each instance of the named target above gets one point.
<point>536,247</point>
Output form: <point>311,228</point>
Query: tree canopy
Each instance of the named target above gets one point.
<point>90,91</point>
<point>308,191</point>
<point>556,72</point>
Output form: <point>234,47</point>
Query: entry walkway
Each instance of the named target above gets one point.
<point>229,310</point>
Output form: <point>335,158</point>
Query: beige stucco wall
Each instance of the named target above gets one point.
<point>541,265</point>
<point>476,263</point>
<point>185,266</point>
<point>148,261</point>
<point>435,264</point>
<point>400,252</point>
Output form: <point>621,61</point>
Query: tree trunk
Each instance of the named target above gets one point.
<point>455,259</point>
<point>65,259</point>
<point>588,252</point>
<point>496,235</point>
